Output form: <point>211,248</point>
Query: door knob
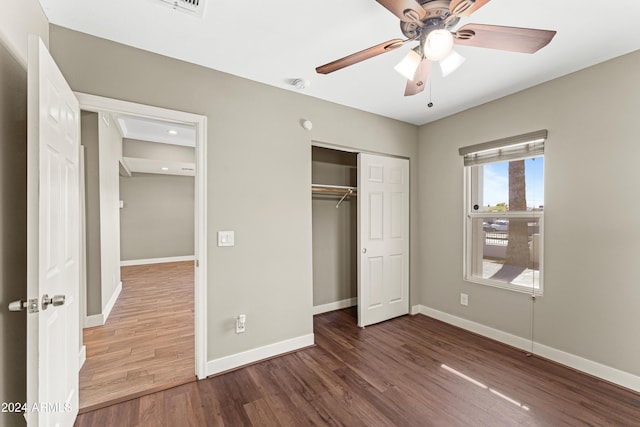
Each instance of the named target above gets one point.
<point>55,300</point>
<point>364,250</point>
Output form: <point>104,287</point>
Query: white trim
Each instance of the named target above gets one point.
<point>93,320</point>
<point>237,360</point>
<point>201,257</point>
<point>112,301</point>
<point>98,103</point>
<point>478,328</point>
<point>82,356</point>
<point>337,305</point>
<point>613,375</point>
<point>415,309</point>
<point>616,376</point>
<point>130,262</point>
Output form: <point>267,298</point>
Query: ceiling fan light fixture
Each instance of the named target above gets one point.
<point>438,44</point>
<point>451,63</point>
<point>409,64</point>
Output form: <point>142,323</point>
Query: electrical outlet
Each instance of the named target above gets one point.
<point>241,323</point>
<point>464,299</point>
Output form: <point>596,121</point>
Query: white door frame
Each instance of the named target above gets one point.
<point>101,104</point>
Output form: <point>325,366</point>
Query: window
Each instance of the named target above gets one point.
<point>504,207</point>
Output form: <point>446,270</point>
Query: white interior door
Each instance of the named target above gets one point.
<point>53,240</point>
<point>383,238</point>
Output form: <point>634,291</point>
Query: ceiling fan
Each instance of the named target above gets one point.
<point>430,22</point>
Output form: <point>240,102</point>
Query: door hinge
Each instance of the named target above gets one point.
<point>197,263</point>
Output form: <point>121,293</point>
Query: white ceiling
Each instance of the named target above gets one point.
<point>147,129</point>
<point>276,41</point>
<point>158,131</point>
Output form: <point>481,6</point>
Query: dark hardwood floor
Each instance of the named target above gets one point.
<point>410,371</point>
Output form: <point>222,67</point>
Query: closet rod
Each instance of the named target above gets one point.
<point>335,190</point>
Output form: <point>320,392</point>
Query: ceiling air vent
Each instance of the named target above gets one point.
<point>192,7</point>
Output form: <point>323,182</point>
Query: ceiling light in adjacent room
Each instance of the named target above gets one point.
<point>164,168</point>
<point>172,132</point>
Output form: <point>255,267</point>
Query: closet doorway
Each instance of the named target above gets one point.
<point>360,217</point>
<point>334,177</point>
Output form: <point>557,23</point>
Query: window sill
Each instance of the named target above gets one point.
<point>529,290</point>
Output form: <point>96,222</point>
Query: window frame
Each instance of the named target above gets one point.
<point>474,253</point>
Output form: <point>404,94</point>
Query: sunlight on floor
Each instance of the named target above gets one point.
<point>481,385</point>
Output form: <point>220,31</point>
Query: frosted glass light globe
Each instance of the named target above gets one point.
<point>438,44</point>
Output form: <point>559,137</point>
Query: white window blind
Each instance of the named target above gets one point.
<point>515,147</point>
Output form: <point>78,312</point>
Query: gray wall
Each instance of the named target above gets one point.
<point>335,269</point>
<point>103,150</point>
<point>259,177</point>
<point>591,303</point>
<point>16,21</point>
<point>158,216</point>
<point>13,232</point>
<point>89,135</point>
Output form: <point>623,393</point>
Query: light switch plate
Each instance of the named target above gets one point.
<point>226,238</point>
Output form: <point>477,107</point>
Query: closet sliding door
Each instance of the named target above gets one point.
<point>383,238</point>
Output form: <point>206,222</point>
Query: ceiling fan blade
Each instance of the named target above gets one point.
<point>354,58</point>
<point>462,7</point>
<point>406,10</point>
<point>420,77</point>
<point>514,39</point>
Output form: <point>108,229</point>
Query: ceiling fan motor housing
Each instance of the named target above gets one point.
<point>437,16</point>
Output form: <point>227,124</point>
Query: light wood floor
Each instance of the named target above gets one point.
<point>410,371</point>
<point>147,343</point>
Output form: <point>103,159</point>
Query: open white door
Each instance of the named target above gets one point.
<point>383,238</point>
<point>53,239</point>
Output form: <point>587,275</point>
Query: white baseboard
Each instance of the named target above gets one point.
<point>599,370</point>
<point>156,260</point>
<point>338,305</point>
<point>415,309</point>
<point>93,321</point>
<point>100,319</point>
<point>233,361</point>
<point>112,301</point>
<point>82,357</point>
<point>590,367</point>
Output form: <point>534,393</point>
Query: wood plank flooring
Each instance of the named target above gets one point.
<point>410,371</point>
<point>147,343</point>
